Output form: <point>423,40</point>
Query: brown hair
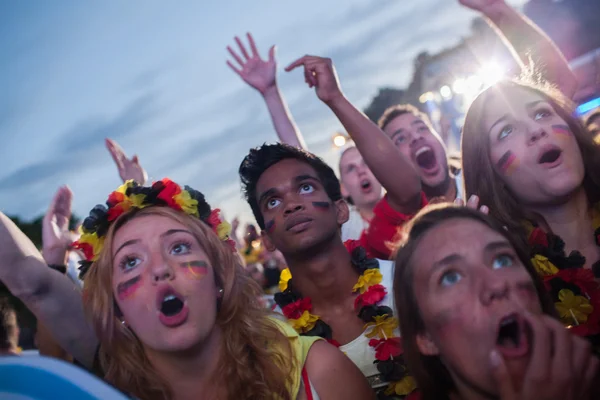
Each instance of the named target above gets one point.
<point>248,367</point>
<point>393,112</point>
<point>478,173</point>
<point>431,375</point>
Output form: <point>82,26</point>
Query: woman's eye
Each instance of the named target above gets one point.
<point>507,130</point>
<point>450,278</point>
<point>503,261</point>
<point>181,248</point>
<point>542,114</point>
<point>306,188</point>
<point>129,263</point>
<point>273,203</point>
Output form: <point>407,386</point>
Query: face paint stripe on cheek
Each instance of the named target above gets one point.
<point>321,205</point>
<point>562,130</point>
<point>270,226</point>
<point>196,269</point>
<point>508,163</point>
<point>128,288</point>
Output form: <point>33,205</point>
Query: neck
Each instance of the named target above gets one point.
<point>366,211</point>
<point>327,276</point>
<point>446,189</point>
<point>572,221</point>
<point>190,371</point>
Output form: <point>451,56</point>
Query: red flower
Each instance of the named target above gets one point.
<point>86,248</point>
<point>115,212</point>
<point>416,395</point>
<point>115,198</point>
<point>213,219</point>
<point>373,295</point>
<point>351,245</point>
<point>386,348</point>
<point>582,277</point>
<point>294,310</point>
<point>538,236</point>
<point>170,190</point>
<point>334,342</point>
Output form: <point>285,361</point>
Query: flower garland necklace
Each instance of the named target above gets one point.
<point>573,288</point>
<point>381,320</point>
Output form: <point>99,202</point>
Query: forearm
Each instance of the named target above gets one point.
<point>57,304</point>
<point>284,124</point>
<point>390,167</point>
<point>525,39</point>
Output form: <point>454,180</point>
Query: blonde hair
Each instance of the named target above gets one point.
<point>255,360</point>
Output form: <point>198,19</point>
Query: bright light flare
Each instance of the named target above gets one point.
<point>459,86</point>
<point>425,97</point>
<point>446,92</point>
<point>491,73</point>
<point>339,140</point>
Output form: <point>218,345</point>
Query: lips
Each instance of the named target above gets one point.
<point>172,308</point>
<point>366,186</point>
<point>513,336</point>
<point>297,223</point>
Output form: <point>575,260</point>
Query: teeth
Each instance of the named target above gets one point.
<point>169,297</point>
<point>422,150</point>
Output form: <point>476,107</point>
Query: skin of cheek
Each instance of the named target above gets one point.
<point>195,269</point>
<point>127,289</point>
<point>321,205</point>
<point>270,226</point>
<point>508,163</point>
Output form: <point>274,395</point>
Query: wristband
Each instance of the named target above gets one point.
<point>60,268</point>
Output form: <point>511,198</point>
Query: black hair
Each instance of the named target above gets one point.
<point>261,158</point>
<point>9,336</point>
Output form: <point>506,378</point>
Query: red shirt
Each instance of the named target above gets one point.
<point>384,228</point>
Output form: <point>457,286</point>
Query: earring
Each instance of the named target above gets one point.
<point>123,323</point>
<point>220,293</point>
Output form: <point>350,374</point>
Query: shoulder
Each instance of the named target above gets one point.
<point>334,375</point>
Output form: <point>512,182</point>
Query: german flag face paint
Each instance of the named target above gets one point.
<point>128,289</point>
<point>562,130</point>
<point>508,163</point>
<point>270,226</point>
<point>321,205</point>
<point>195,269</point>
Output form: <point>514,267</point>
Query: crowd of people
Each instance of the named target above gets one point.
<point>406,277</point>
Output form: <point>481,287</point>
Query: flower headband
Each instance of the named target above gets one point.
<point>130,196</point>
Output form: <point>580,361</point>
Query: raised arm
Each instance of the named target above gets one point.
<point>128,168</point>
<point>49,294</point>
<point>262,76</point>
<point>524,39</point>
<point>390,167</point>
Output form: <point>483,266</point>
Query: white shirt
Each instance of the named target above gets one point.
<point>355,225</point>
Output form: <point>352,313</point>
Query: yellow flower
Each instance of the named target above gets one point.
<point>403,387</point>
<point>573,310</point>
<point>223,230</point>
<point>93,240</point>
<point>137,200</point>
<point>305,323</point>
<point>284,277</point>
<point>369,278</point>
<point>543,266</point>
<point>187,204</point>
<point>383,327</point>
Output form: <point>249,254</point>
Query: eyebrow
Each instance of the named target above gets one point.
<point>501,119</point>
<point>301,178</point>
<point>499,244</point>
<point>165,234</point>
<point>534,103</point>
<point>265,194</point>
<point>399,131</point>
<point>446,260</point>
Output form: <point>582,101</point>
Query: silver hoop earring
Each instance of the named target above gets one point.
<point>123,323</point>
<point>220,293</point>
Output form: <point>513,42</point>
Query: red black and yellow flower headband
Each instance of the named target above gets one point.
<point>131,195</point>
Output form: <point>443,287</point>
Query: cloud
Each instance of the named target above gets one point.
<point>91,131</point>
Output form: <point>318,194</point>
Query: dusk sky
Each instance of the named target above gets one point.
<point>152,76</point>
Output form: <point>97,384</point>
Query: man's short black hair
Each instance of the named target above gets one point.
<point>261,158</point>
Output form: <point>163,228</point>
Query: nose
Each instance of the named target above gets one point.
<point>493,287</point>
<point>293,205</point>
<point>535,132</point>
<point>161,270</point>
<point>415,137</point>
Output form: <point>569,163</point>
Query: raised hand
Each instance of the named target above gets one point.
<point>320,73</point>
<point>483,6</point>
<point>128,168</point>
<point>56,237</point>
<point>255,71</point>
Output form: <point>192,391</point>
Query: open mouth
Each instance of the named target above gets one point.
<point>172,309</point>
<point>550,156</point>
<point>513,336</point>
<point>425,158</point>
<point>365,185</point>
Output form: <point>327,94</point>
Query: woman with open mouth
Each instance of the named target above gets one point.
<point>175,315</point>
<point>475,318</point>
<point>538,170</point>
